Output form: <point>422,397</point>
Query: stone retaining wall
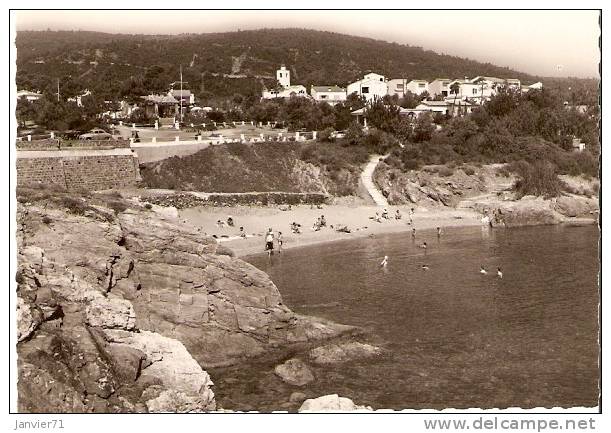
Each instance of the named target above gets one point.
<point>181,200</point>
<point>73,169</point>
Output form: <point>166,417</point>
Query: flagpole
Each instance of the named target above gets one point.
<point>181,93</point>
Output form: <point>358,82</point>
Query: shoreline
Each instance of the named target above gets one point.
<point>256,221</point>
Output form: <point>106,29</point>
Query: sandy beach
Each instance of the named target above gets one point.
<point>256,222</point>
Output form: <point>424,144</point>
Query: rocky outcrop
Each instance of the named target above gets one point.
<point>531,210</point>
<point>122,313</point>
<point>430,187</point>
<point>294,372</point>
<point>331,403</point>
<point>334,353</point>
<point>576,206</point>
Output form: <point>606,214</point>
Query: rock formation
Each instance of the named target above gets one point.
<point>334,353</point>
<point>122,312</point>
<point>331,403</point>
<point>294,372</point>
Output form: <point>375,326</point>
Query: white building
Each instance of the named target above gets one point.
<point>285,90</point>
<point>283,76</point>
<point>479,91</point>
<point>418,87</point>
<point>29,96</point>
<point>330,94</point>
<point>400,86</point>
<point>440,86</point>
<point>288,92</point>
<point>371,86</point>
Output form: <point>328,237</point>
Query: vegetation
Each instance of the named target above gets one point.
<point>511,127</point>
<point>294,167</point>
<point>538,178</point>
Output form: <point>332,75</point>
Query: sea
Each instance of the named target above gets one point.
<point>452,337</point>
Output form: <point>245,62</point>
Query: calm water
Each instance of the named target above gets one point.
<point>455,338</point>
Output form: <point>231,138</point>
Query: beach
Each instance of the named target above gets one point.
<point>257,220</point>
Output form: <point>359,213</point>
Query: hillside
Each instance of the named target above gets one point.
<point>222,64</point>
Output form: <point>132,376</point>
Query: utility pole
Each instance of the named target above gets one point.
<point>181,93</point>
<point>58,90</point>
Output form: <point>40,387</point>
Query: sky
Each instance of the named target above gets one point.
<point>546,43</point>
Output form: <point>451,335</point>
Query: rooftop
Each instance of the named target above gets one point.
<point>328,89</point>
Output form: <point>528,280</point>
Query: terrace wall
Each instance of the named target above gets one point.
<point>93,169</point>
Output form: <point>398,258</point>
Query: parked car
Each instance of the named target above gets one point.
<point>96,134</point>
<point>338,134</point>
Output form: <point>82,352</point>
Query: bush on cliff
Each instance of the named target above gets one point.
<point>538,179</point>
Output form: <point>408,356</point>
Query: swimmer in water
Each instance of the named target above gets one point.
<point>413,232</point>
<point>425,267</point>
<point>423,245</point>
<point>438,231</point>
<point>499,273</point>
<point>384,262</point>
<point>482,270</point>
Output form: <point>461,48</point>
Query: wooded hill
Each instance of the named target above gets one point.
<point>222,64</point>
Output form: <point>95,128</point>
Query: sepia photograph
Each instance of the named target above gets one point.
<point>305,211</point>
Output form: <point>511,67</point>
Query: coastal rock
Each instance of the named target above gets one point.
<point>123,312</point>
<point>297,397</point>
<point>294,372</point>
<point>528,211</point>
<point>331,403</point>
<point>334,353</point>
<point>111,313</point>
<point>28,319</point>
<point>575,206</point>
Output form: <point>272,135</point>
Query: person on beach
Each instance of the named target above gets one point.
<point>499,273</point>
<point>220,223</point>
<point>323,221</point>
<point>411,216</point>
<point>230,221</point>
<point>384,262</point>
<point>385,214</point>
<point>242,232</point>
<point>269,242</point>
<point>413,232</point>
<point>377,218</point>
<point>295,228</point>
<point>482,270</point>
<point>280,242</point>
<point>397,215</point>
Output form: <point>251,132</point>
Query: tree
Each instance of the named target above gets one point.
<point>382,116</point>
<point>24,111</point>
<point>424,128</point>
<point>454,89</point>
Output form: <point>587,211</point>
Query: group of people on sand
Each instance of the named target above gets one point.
<point>384,215</point>
<point>319,223</point>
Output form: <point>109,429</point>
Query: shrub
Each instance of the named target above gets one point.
<point>325,135</point>
<point>117,206</point>
<point>74,205</point>
<point>46,220</point>
<point>148,206</point>
<point>538,179</point>
<point>468,170</point>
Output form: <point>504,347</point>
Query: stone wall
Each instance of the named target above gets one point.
<point>72,169</point>
<point>56,144</point>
